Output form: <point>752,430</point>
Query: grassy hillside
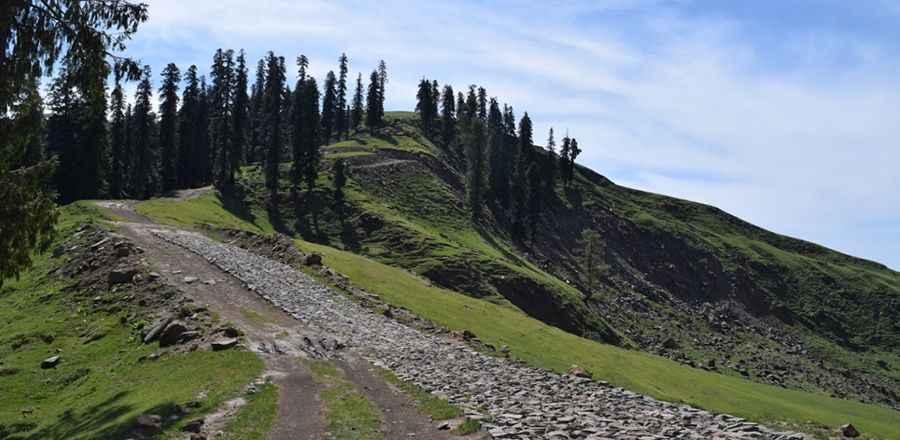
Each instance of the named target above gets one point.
<point>546,346</point>
<point>104,379</point>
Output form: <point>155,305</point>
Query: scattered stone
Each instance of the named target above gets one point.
<point>580,372</point>
<point>210,282</point>
<point>172,334</point>
<point>154,275</point>
<point>50,362</point>
<point>189,280</point>
<point>122,275</point>
<point>155,330</point>
<point>849,431</point>
<point>193,426</point>
<point>148,423</point>
<point>224,344</point>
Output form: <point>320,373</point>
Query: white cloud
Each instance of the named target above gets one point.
<point>807,148</point>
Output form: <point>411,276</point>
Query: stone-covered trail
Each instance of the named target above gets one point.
<point>516,401</point>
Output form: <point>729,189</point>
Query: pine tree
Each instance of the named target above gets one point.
<point>143,126</point>
<point>341,113</point>
<point>274,93</point>
<point>373,100</point>
<point>382,88</point>
<point>257,95</point>
<point>535,188</point>
<point>448,118</point>
<point>592,256</point>
<point>498,180</point>
<point>32,114</point>
<point>94,142</point>
<point>573,154</point>
<point>548,169</point>
<point>62,134</point>
<point>117,142</point>
<point>564,160</point>
<point>168,108</point>
<point>329,108</point>
<point>482,105</point>
<point>311,134</point>
<point>240,119</point>
<point>221,118</point>
<point>203,147</point>
<point>475,169</point>
<point>521,193</point>
<point>187,126</point>
<point>425,106</point>
<point>358,109</point>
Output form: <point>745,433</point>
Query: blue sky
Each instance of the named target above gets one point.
<point>782,112</point>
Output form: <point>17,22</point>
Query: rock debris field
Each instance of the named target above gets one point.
<point>514,401</point>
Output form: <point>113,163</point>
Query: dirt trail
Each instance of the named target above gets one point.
<point>274,335</point>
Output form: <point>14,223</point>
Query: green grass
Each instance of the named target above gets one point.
<point>427,403</point>
<point>101,384</point>
<point>549,347</point>
<point>205,209</point>
<point>467,427</point>
<point>349,415</point>
<point>255,419</point>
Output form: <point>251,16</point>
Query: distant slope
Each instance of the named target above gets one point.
<point>544,346</point>
<point>684,280</point>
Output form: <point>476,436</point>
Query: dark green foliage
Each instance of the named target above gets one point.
<point>193,148</point>
<point>535,188</point>
<point>475,169</point>
<point>448,118</point>
<point>240,119</point>
<point>257,95</point>
<point>118,146</point>
<point>482,105</point>
<point>168,117</point>
<point>340,179</point>
<point>593,253</point>
<point>374,105</point>
<point>144,157</point>
<point>521,194</point>
<point>305,127</point>
<point>221,118</point>
<point>33,37</point>
<point>498,162</point>
<point>548,168</point>
<point>426,106</point>
<point>341,114</point>
<point>274,91</point>
<point>574,151</point>
<point>329,108</point>
<point>564,153</point>
<point>356,113</point>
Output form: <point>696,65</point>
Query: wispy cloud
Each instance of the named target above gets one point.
<point>793,128</point>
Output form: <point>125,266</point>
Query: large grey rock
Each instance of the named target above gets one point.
<point>172,334</point>
<point>148,423</point>
<point>50,362</point>
<point>224,344</point>
<point>153,332</point>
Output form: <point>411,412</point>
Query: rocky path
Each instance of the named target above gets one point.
<point>520,402</point>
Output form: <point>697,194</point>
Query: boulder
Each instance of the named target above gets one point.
<point>155,330</point>
<point>224,344</point>
<point>122,275</point>
<point>50,362</point>
<point>193,426</point>
<point>849,431</point>
<point>189,280</point>
<point>580,372</point>
<point>313,260</point>
<point>148,423</point>
<point>171,335</point>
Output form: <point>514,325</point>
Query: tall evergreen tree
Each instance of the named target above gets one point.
<point>482,105</point>
<point>168,126</point>
<point>203,148</point>
<point>521,180</point>
<point>475,170</point>
<point>274,93</point>
<point>425,106</point>
<point>221,106</point>
<point>373,98</point>
<point>32,113</point>
<point>187,128</point>
<point>142,174</point>
<point>257,94</point>
<point>382,87</point>
<point>564,160</point>
<point>311,134</point>
<point>535,188</point>
<point>548,168</point>
<point>341,113</point>
<point>94,142</point>
<point>498,180</point>
<point>329,108</point>
<point>573,154</point>
<point>358,109</point>
<point>240,118</point>
<point>63,134</point>
<point>448,118</point>
<point>118,151</point>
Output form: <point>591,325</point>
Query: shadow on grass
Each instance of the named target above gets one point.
<point>234,200</point>
<point>99,420</point>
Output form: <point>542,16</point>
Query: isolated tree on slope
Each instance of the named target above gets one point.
<point>341,111</point>
<point>592,256</point>
<point>168,109</point>
<point>356,113</point>
<point>549,164</point>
